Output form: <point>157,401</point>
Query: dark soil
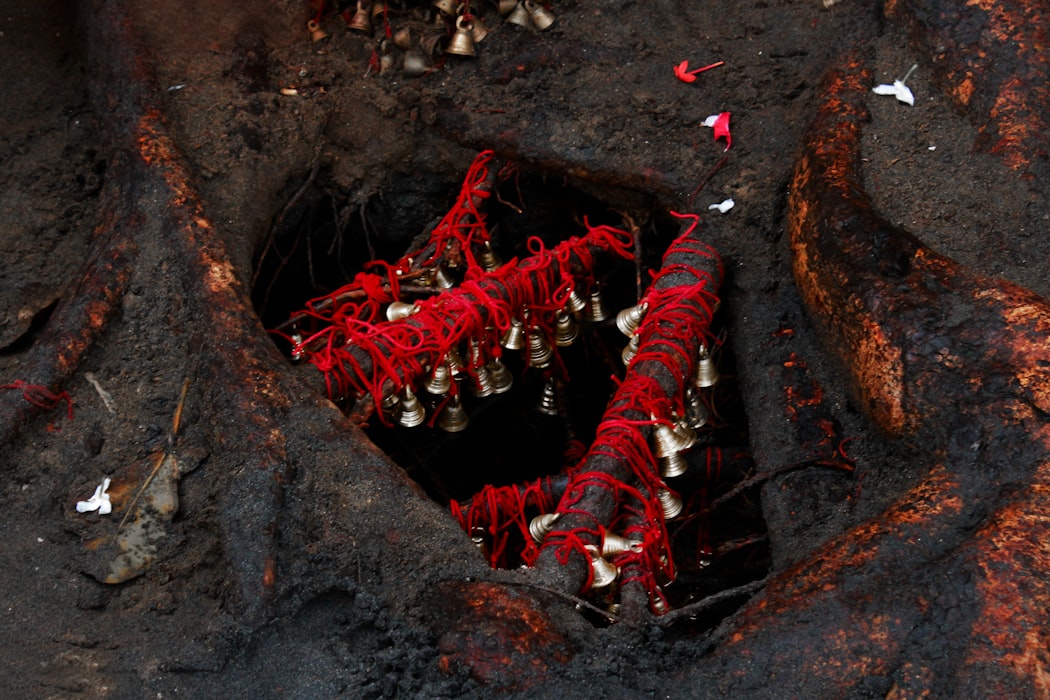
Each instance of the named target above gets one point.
<point>592,115</point>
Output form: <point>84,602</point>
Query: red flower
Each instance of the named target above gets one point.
<point>720,123</point>
<point>682,72</point>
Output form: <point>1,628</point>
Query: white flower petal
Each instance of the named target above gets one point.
<point>710,121</point>
<point>723,206</point>
<point>884,90</point>
<point>99,500</point>
<point>904,93</point>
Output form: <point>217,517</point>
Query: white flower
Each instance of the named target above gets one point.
<point>899,90</point>
<point>723,206</point>
<point>710,121</point>
<point>99,501</point>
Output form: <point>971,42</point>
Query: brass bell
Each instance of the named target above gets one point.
<point>596,310</point>
<point>398,310</point>
<point>631,349</point>
<point>361,21</point>
<point>514,337</point>
<point>434,45</point>
<point>412,411</point>
<point>482,382</point>
<point>670,504</point>
<point>520,16</point>
<point>630,318</point>
<point>613,544</point>
<point>501,378</point>
<point>541,525</point>
<point>684,430</point>
<point>658,603</point>
<point>386,62</point>
<point>415,64</point>
<point>439,382</point>
<point>462,42</point>
<point>403,38</point>
<point>488,259</point>
<point>574,304</point>
<point>316,33</point>
<point>390,406</point>
<point>695,410</point>
<point>604,572</point>
<point>440,279</point>
<point>540,351</point>
<point>447,7</point>
<point>706,369</point>
<point>673,465</point>
<point>477,536</point>
<point>541,17</point>
<point>566,330</point>
<point>548,404</point>
<point>379,9</point>
<point>666,441</point>
<point>455,361</point>
<point>505,7</point>
<point>453,417</point>
<point>479,31</point>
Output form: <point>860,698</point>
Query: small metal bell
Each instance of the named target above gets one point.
<point>613,544</point>
<point>415,65</point>
<point>630,318</point>
<point>477,536</point>
<point>482,382</point>
<point>575,304</point>
<point>520,16</point>
<point>479,31</point>
<point>631,349</point>
<point>447,7</point>
<point>670,504</point>
<point>695,410</point>
<point>439,382</point>
<point>596,309</point>
<point>706,370</point>
<point>501,378</point>
<point>453,418</point>
<point>604,572</point>
<point>316,33</point>
<point>673,465</point>
<point>658,603</point>
<point>403,38</point>
<point>540,351</point>
<point>379,9</point>
<point>412,411</point>
<point>667,442</point>
<point>488,259</point>
<point>541,525</point>
<point>462,42</point>
<point>297,347</point>
<point>514,337</point>
<point>390,406</point>
<point>505,7</point>
<point>455,361</point>
<point>566,330</point>
<point>684,430</point>
<point>398,310</point>
<point>440,279</point>
<point>434,45</point>
<point>361,21</point>
<point>542,18</point>
<point>548,404</point>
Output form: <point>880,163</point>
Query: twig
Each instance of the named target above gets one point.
<point>707,178</point>
<point>710,601</point>
<point>579,602</point>
<point>106,397</point>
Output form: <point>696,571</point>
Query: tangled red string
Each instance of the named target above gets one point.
<point>40,396</point>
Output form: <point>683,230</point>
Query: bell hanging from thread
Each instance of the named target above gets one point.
<point>658,603</point>
<point>403,38</point>
<point>361,21</point>
<point>479,31</point>
<point>379,10</point>
<point>482,382</point>
<point>695,410</point>
<point>666,441</point>
<point>505,7</point>
<point>630,318</point>
<point>542,18</point>
<point>462,42</point>
<point>316,33</point>
<point>488,259</point>
<point>684,430</point>
<point>390,406</point>
<point>434,45</point>
<point>566,330</point>
<point>455,361</point>
<point>412,411</point>
<point>440,279</point>
<point>520,16</point>
<point>548,403</point>
<point>447,7</point>
<point>604,573</point>
<point>670,504</point>
<point>540,351</point>
<point>398,310</point>
<point>514,337</point>
<point>631,349</point>
<point>439,382</point>
<point>453,417</point>
<point>596,309</point>
<point>541,525</point>
<point>501,378</point>
<point>673,465</point>
<point>477,536</point>
<point>415,64</point>
<point>613,544</point>
<point>575,303</point>
<point>706,370</point>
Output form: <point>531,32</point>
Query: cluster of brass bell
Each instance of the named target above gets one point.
<point>670,442</point>
<point>528,14</point>
<point>406,410</point>
<point>603,572</point>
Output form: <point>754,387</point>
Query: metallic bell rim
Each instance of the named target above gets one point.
<point>667,442</point>
<point>316,32</point>
<point>566,330</point>
<point>479,31</point>
<point>433,45</point>
<point>447,7</point>
<point>542,18</point>
<point>514,337</point>
<point>379,8</point>
<point>502,379</point>
<point>548,403</point>
<point>670,504</point>
<point>540,351</point>
<point>403,38</point>
<point>453,417</point>
<point>684,430</point>
<point>415,64</point>
<point>673,465</point>
<point>455,362</point>
<point>439,382</point>
<point>596,310</point>
<point>482,382</point>
<point>361,20</point>
<point>630,318</point>
<point>603,572</point>
<point>706,374</point>
<point>542,525</point>
<point>613,544</point>
<point>398,310</point>
<point>412,411</point>
<point>520,16</point>
<point>575,303</point>
<point>631,349</point>
<point>488,259</point>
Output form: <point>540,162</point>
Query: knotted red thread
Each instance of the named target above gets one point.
<point>40,396</point>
